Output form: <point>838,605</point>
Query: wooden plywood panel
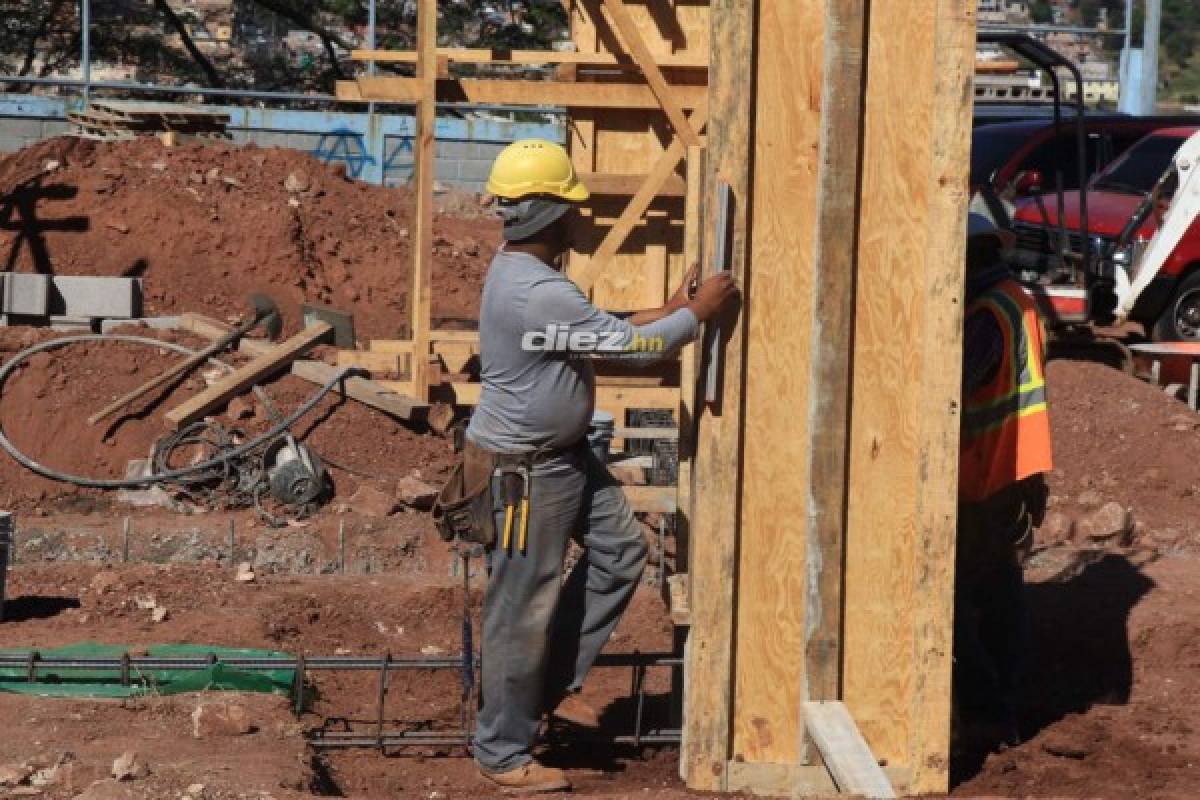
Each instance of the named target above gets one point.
<point>704,755</point>
<point>632,141</point>
<point>904,420</point>
<point>773,573</point>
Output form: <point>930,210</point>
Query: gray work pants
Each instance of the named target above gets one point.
<point>541,635</point>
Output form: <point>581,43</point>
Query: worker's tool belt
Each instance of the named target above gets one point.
<point>463,509</point>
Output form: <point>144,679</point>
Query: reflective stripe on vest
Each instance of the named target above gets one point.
<point>1028,384</point>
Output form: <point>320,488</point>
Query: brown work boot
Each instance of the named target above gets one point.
<point>577,711</point>
<point>531,778</point>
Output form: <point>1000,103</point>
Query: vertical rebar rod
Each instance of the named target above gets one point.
<point>125,525</point>
<point>85,56</point>
<point>232,544</point>
<point>342,546</point>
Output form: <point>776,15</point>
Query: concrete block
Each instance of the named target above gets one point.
<point>446,170</point>
<point>455,150</point>
<point>25,293</point>
<point>304,141</point>
<point>55,127</point>
<point>487,151</point>
<point>21,126</point>
<point>269,139</point>
<point>86,296</point>
<point>154,323</point>
<point>474,171</point>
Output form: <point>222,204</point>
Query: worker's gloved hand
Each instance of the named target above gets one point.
<point>713,293</point>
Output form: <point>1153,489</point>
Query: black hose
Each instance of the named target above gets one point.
<point>147,480</point>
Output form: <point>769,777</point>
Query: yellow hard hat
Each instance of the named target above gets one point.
<point>535,166</point>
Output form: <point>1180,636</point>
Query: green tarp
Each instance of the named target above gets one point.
<point>107,682</point>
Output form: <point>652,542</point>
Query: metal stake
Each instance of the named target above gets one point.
<point>342,546</point>
<point>232,544</point>
<point>125,524</point>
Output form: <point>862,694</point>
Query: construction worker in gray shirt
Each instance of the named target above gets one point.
<point>538,335</point>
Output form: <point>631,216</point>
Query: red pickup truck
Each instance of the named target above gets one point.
<point>1169,308</point>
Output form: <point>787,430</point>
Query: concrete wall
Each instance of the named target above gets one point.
<point>374,147</point>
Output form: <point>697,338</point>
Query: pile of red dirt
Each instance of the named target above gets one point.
<point>1127,441</point>
<point>207,224</point>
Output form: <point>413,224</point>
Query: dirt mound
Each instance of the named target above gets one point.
<point>206,224</point>
<point>1126,441</point>
<point>45,404</point>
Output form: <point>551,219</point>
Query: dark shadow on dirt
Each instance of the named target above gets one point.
<point>19,213</point>
<point>25,608</point>
<point>1080,650</point>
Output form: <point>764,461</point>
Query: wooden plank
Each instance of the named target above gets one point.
<point>904,442</point>
<point>262,366</point>
<point>214,329</point>
<point>794,780</point>
<point>632,215</point>
<point>679,600</point>
<point>646,433</point>
<point>834,264</point>
<point>390,363</point>
<point>773,561</point>
<point>420,295</point>
<point>607,397</point>
<point>708,702</point>
<point>602,183</point>
<point>363,390</point>
<point>845,752</point>
<point>383,89</point>
<point>658,84</point>
<point>656,499</point>
<point>475,55</point>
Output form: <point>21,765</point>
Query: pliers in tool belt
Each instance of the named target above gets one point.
<point>515,485</point>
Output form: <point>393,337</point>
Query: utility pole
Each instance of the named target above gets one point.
<point>1150,39</point>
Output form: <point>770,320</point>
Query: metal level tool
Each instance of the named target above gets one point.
<point>720,262</point>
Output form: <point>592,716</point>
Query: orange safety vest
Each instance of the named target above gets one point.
<point>1005,426</point>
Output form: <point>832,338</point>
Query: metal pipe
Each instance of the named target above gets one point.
<point>253,94</point>
<point>85,59</point>
<point>330,740</point>
<point>371,45</point>
<point>311,664</point>
<point>1076,29</point>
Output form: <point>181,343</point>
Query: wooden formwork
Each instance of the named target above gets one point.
<point>818,490</point>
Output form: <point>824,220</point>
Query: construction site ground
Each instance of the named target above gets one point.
<point>1113,582</point>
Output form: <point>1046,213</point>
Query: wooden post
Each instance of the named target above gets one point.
<point>423,163</point>
<point>905,406</point>
<point>834,265</point>
<point>708,703</point>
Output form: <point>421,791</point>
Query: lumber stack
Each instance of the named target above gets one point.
<point>111,120</point>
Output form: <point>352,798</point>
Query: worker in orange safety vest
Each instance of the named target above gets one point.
<point>1005,455</point>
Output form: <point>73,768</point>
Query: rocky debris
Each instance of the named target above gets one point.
<point>292,553</point>
<point>127,767</point>
<point>159,614</point>
<point>245,573</point>
<point>118,226</point>
<point>220,719</point>
<point>240,408</point>
<point>1057,529</point>
<point>414,492</point>
<point>297,181</point>
<point>14,774</point>
<point>1090,499</point>
<point>194,791</point>
<point>105,581</point>
<point>373,502</point>
<point>1109,524</point>
<point>1063,747</point>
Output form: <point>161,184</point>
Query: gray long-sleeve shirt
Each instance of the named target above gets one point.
<point>538,334</point>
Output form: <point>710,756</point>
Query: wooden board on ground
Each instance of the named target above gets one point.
<point>365,391</point>
<point>845,752</point>
<point>261,366</point>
